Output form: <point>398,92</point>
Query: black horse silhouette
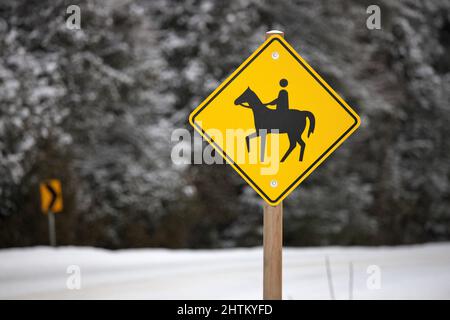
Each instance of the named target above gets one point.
<point>292,122</point>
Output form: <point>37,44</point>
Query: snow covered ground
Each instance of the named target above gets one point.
<point>407,272</point>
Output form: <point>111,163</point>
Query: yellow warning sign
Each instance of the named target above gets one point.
<point>275,120</point>
<point>51,196</point>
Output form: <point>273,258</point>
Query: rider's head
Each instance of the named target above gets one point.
<point>283,83</point>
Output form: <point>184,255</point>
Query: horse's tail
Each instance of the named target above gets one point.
<point>312,122</point>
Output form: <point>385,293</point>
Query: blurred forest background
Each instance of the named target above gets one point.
<point>96,108</point>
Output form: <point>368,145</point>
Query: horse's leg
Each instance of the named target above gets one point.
<point>247,139</point>
<point>298,136</point>
<point>292,144</point>
<point>302,147</point>
<point>263,135</point>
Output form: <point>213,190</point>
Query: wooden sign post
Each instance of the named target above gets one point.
<point>51,229</point>
<point>273,241</point>
<point>273,247</point>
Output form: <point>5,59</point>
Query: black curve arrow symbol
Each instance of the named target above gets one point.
<point>54,195</point>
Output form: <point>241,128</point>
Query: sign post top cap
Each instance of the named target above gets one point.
<point>274,32</point>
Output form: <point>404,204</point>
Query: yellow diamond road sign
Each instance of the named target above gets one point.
<point>274,119</point>
<point>51,196</point>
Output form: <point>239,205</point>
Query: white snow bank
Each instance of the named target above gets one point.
<point>407,272</point>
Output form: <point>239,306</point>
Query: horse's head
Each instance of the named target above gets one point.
<point>246,99</point>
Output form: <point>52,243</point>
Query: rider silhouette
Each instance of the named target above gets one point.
<point>282,101</point>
